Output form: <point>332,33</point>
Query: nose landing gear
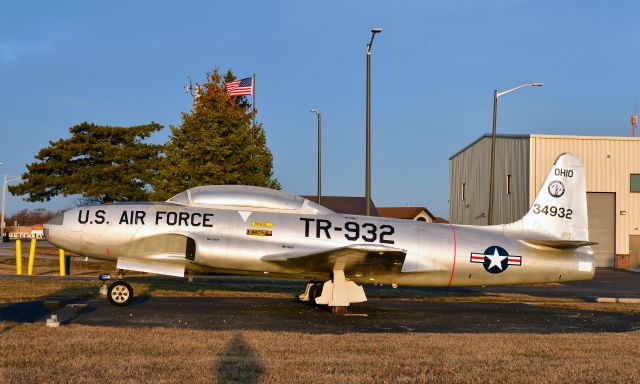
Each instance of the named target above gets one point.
<point>120,293</point>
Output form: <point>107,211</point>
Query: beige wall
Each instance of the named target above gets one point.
<point>608,163</point>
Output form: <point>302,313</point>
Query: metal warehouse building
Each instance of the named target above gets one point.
<point>612,167</point>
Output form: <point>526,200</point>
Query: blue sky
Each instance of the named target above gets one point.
<point>434,68</point>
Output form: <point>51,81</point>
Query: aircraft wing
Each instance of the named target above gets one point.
<point>166,254</point>
<point>354,259</point>
<point>163,264</point>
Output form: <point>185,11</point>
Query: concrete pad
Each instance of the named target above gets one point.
<point>606,300</point>
<point>629,300</point>
<point>626,300</point>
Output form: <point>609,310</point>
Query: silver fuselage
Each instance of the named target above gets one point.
<point>234,241</point>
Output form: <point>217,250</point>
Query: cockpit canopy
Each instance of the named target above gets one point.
<point>249,197</point>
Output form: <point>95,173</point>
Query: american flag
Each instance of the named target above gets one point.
<point>243,87</point>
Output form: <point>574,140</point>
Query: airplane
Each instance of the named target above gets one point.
<point>247,230</point>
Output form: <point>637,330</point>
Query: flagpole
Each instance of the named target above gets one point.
<point>253,107</point>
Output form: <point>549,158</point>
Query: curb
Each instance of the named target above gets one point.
<point>625,300</point>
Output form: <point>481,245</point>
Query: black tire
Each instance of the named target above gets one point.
<point>315,291</point>
<point>312,294</point>
<point>120,293</point>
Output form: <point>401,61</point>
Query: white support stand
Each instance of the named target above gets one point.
<point>305,295</point>
<point>53,322</point>
<point>103,290</point>
<point>53,304</point>
<point>340,293</point>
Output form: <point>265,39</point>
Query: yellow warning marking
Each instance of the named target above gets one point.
<point>259,232</point>
<point>262,224</point>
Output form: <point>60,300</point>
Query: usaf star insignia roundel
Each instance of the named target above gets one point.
<point>495,259</point>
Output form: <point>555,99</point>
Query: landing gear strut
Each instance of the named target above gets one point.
<point>313,290</point>
<point>338,293</point>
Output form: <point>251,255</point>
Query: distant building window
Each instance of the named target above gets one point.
<point>463,192</point>
<point>421,219</point>
<point>508,184</point>
<point>635,183</point>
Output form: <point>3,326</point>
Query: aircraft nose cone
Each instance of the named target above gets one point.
<point>52,225</point>
<point>57,220</point>
<point>63,234</point>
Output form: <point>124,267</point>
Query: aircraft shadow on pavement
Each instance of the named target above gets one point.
<point>24,312</point>
<point>226,284</point>
<point>377,316</point>
<point>34,310</point>
<point>202,286</point>
<point>388,310</point>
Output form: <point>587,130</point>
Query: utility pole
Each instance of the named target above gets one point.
<point>319,157</point>
<point>4,192</point>
<point>368,145</point>
<point>496,95</point>
<point>4,188</point>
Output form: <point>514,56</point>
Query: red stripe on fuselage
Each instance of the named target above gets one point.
<point>453,269</point>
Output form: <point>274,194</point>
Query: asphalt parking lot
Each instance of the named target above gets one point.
<point>375,315</point>
<point>606,283</point>
<point>288,315</point>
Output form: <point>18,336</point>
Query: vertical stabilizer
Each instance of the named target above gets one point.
<point>560,208</point>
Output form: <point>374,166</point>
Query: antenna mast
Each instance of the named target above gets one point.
<point>188,88</point>
<point>634,120</point>
<point>195,92</point>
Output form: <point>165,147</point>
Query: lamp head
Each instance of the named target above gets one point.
<point>314,110</point>
<point>376,30</point>
<point>537,84</point>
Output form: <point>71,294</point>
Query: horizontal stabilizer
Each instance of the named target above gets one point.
<point>559,244</point>
<point>361,259</point>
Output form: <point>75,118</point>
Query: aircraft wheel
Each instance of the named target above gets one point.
<point>120,293</point>
<point>315,291</point>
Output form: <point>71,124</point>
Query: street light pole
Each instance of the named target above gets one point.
<point>2,216</point>
<point>319,157</point>
<point>496,95</point>
<point>368,119</point>
<point>4,187</point>
<point>493,157</point>
<point>4,192</point>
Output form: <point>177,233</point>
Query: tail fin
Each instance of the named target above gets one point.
<point>559,211</point>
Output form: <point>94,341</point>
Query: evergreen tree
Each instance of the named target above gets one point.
<point>215,144</point>
<point>101,163</point>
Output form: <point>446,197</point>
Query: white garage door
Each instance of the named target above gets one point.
<point>602,226</point>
